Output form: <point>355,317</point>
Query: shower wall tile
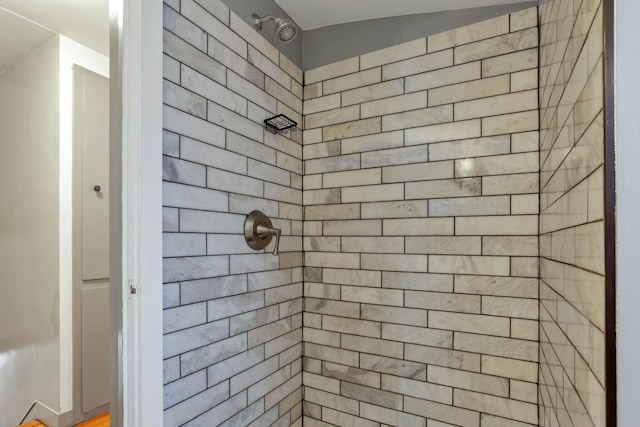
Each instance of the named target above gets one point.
<point>572,282</point>
<point>421,232</point>
<point>233,317</point>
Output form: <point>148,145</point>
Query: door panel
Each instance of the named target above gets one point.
<point>90,244</point>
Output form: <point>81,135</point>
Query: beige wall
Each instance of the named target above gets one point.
<point>572,371</point>
<point>421,231</point>
<point>29,234</point>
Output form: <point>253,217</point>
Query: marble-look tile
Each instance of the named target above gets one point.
<point>470,33</point>
<point>511,63</point>
<point>488,325</point>
<point>188,125</point>
<point>443,301</point>
<point>352,129</point>
<point>417,65</point>
<point>480,383</point>
<point>500,45</point>
<point>467,148</point>
<point>417,334</point>
<point>497,165</point>
<point>520,411</point>
<point>524,19</point>
<point>255,39</point>
<point>431,390</point>
<point>330,71</point>
<point>399,367</point>
<point>443,77</point>
<point>332,117</point>
<point>393,54</point>
<point>443,132</point>
<point>421,117</point>
<point>412,101</point>
<point>397,209</point>
<point>497,105</point>
<point>470,206</point>
<point>373,193</point>
<point>497,346</point>
<point>499,286</point>
<point>394,156</point>
<point>443,188</point>
<point>444,245</point>
<point>418,227</point>
<point>339,418</point>
<point>372,92</point>
<point>184,411</point>
<point>351,374</point>
<point>372,346</point>
<point>441,357</point>
<point>334,308</point>
<point>498,225</point>
<point>354,277</point>
<point>475,89</point>
<point>214,27</point>
<point>352,81</point>
<point>373,244</point>
<point>448,414</point>
<point>418,281</point>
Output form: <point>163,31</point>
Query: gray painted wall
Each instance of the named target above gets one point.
<point>330,44</point>
<point>337,42</point>
<point>244,9</point>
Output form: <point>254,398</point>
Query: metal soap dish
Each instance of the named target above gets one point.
<point>279,124</point>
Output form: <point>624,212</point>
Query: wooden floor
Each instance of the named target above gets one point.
<point>103,420</point>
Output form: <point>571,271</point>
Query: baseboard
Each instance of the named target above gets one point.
<point>49,416</point>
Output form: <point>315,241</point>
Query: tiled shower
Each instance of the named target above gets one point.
<point>441,261</point>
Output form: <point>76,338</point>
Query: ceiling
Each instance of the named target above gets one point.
<point>28,24</point>
<point>312,14</point>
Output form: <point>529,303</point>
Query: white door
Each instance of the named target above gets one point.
<point>91,244</point>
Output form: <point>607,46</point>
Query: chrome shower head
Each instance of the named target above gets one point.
<point>285,29</point>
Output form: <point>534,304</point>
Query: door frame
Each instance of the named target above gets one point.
<point>136,212</point>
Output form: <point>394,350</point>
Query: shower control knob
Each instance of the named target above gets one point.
<point>258,232</point>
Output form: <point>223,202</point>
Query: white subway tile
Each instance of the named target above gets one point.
<point>459,264</point>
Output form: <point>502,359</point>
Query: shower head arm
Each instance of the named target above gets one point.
<point>258,21</point>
